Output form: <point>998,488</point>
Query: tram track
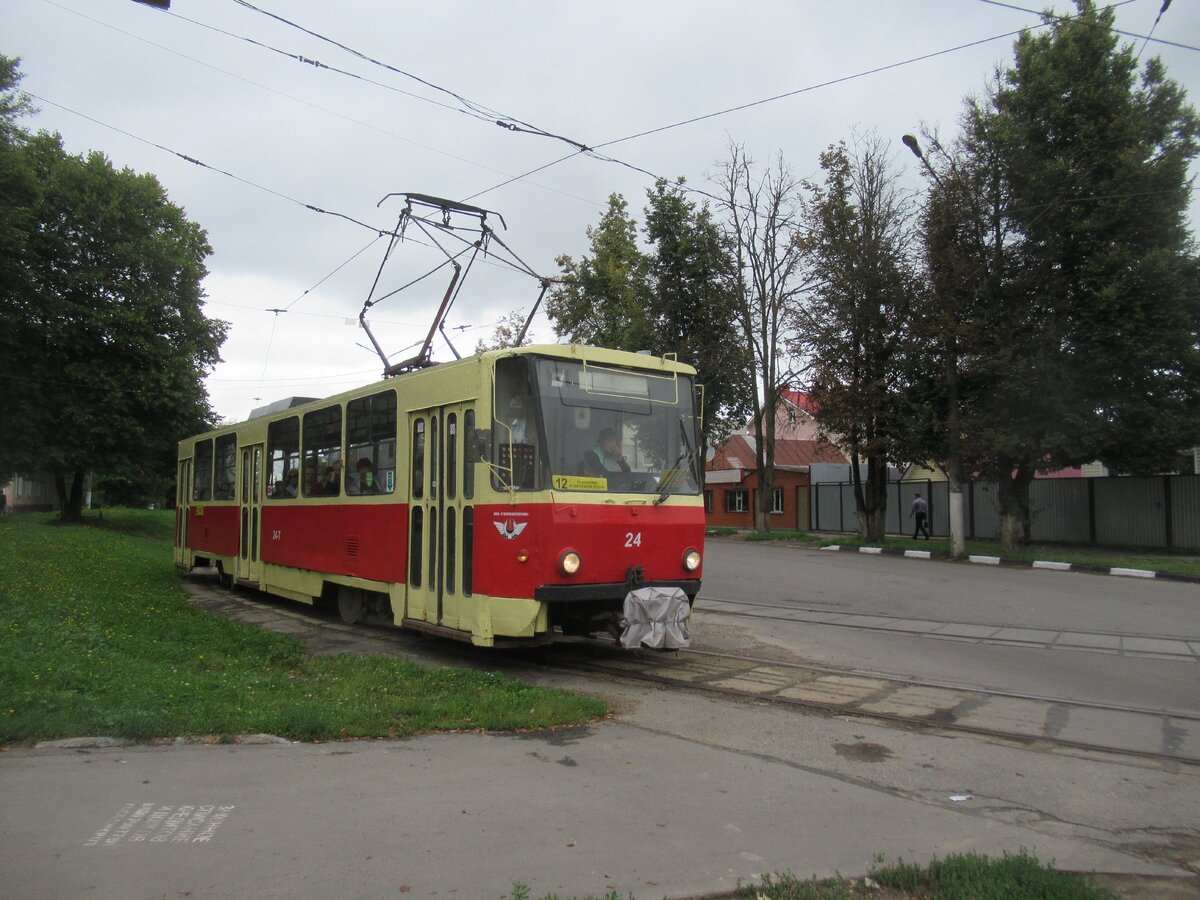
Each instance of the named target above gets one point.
<point>1150,646</point>
<point>1159,735</point>
<point>1169,737</point>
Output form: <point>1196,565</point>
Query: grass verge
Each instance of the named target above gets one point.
<point>97,639</point>
<point>966,876</point>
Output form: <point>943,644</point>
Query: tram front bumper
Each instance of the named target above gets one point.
<point>614,591</point>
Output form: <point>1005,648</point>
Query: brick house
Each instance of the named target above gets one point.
<point>731,482</point>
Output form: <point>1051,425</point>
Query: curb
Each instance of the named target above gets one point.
<point>1021,563</point>
<point>101,742</point>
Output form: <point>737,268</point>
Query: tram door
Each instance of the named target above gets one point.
<point>440,515</point>
<point>249,567</point>
<point>183,502</point>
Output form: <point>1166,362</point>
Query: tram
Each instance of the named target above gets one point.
<point>512,496</point>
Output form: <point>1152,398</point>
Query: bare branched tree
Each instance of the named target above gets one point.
<point>763,217</point>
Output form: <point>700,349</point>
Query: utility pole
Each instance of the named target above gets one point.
<point>950,350</point>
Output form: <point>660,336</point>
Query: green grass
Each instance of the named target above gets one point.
<point>720,532</point>
<point>783,535</point>
<point>970,875</point>
<point>966,876</point>
<point>97,639</point>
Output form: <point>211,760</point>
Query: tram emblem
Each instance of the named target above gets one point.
<point>509,530</point>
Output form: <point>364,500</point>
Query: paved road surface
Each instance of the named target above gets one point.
<point>681,795</point>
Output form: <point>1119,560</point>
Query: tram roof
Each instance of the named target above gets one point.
<point>581,352</point>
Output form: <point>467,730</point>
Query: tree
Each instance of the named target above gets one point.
<point>1076,278</point>
<point>674,299</point>
<point>604,299</point>
<point>692,275</point>
<point>18,187</point>
<point>13,103</point>
<point>763,213</point>
<point>105,342</point>
<point>505,333</point>
<point>855,325</point>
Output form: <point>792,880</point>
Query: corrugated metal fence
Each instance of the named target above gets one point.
<point>1155,511</point>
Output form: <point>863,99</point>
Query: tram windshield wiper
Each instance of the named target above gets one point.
<point>675,474</point>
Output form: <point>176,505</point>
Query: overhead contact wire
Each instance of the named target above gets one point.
<point>476,110</point>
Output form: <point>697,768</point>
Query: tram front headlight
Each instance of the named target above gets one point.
<point>569,562</point>
<point>691,559</point>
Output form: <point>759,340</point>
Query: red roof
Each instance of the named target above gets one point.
<point>738,453</point>
<point>799,399</point>
<point>805,453</point>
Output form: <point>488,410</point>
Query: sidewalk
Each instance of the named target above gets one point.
<point>1018,563</point>
<point>578,812</point>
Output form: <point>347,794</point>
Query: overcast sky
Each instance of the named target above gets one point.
<point>120,77</point>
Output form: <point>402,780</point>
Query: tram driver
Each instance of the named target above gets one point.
<point>605,457</point>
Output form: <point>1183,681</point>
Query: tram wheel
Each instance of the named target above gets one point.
<point>350,605</point>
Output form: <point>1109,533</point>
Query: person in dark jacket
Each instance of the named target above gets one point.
<point>920,512</point>
<point>605,457</point>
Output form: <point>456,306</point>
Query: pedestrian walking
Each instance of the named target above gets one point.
<point>920,512</point>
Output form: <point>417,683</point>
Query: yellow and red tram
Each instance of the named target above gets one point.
<point>513,495</point>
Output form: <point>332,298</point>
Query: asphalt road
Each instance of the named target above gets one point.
<point>1095,638</point>
<point>680,794</point>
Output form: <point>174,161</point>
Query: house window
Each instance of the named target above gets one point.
<point>735,501</point>
<point>777,500</point>
<point>708,501</point>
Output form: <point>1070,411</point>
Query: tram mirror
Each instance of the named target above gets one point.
<point>480,448</point>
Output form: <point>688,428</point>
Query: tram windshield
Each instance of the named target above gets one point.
<point>591,427</point>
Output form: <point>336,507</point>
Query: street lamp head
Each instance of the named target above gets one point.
<point>910,142</point>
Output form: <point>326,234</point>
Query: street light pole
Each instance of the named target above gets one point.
<point>953,417</point>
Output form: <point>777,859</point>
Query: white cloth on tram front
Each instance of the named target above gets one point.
<point>657,618</point>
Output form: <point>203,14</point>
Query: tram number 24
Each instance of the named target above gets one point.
<point>633,539</point>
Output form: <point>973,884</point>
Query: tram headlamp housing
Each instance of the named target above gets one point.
<point>569,562</point>
<point>691,559</point>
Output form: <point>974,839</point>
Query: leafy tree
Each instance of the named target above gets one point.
<point>105,343</point>
<point>856,324</point>
<point>13,103</point>
<point>692,274</point>
<point>505,333</point>
<point>1076,280</point>
<point>604,299</point>
<point>18,186</point>
<point>763,215</point>
<point>671,300</point>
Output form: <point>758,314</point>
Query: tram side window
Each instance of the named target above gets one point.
<point>514,428</point>
<point>323,453</point>
<point>283,458</point>
<point>202,487</point>
<point>371,439</point>
<point>226,467</point>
